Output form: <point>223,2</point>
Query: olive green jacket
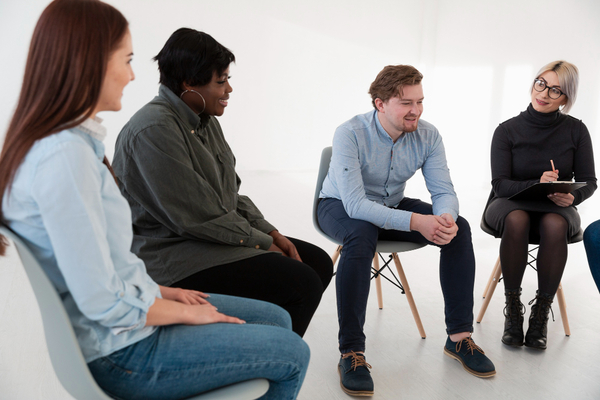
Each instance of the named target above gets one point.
<point>178,174</point>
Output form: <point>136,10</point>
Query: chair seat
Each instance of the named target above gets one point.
<point>386,246</point>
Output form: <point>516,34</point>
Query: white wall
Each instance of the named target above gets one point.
<point>304,67</point>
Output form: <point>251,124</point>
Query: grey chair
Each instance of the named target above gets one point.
<point>66,357</point>
<point>383,247</point>
<point>495,277</point>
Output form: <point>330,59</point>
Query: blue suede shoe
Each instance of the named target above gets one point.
<point>471,356</point>
<point>355,378</point>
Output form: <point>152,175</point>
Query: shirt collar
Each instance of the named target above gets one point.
<point>94,128</point>
<point>380,131</point>
<point>182,110</point>
<point>94,133</point>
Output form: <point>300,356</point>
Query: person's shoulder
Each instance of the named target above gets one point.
<point>60,146</point>
<point>157,112</point>
<point>360,122</point>
<point>426,132</point>
<point>572,120</point>
<point>512,122</point>
<point>427,127</point>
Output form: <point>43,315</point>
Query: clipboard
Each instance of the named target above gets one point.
<point>540,191</point>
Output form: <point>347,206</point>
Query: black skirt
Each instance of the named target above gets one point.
<point>499,207</point>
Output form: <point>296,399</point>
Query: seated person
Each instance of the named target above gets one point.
<point>591,240</point>
<point>140,340</point>
<point>525,151</point>
<point>362,200</point>
<point>191,226</point>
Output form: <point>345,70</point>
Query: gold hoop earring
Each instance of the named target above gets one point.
<point>193,91</point>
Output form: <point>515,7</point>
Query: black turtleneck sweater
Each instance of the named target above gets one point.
<point>523,146</point>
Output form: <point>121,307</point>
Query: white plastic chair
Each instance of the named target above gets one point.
<point>383,246</point>
<point>66,357</point>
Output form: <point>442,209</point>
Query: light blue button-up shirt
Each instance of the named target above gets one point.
<point>66,206</point>
<point>368,171</point>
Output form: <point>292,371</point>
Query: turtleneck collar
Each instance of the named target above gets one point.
<point>539,118</point>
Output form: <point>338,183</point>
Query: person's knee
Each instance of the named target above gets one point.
<point>591,235</point>
<point>517,220</point>
<point>362,237</point>
<point>273,315</point>
<point>553,226</point>
<point>310,287</point>
<point>290,346</point>
<point>463,225</point>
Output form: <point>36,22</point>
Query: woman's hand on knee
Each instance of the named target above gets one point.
<point>284,245</point>
<point>169,312</point>
<point>184,296</point>
<point>204,314</point>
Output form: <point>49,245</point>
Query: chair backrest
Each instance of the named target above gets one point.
<point>66,356</point>
<point>323,169</point>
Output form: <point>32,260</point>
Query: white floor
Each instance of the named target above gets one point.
<point>404,365</point>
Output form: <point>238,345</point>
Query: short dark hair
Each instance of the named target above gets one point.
<point>192,57</point>
<point>391,80</point>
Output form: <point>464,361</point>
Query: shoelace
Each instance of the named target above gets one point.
<point>539,318</point>
<point>471,346</point>
<point>358,360</point>
<point>515,309</point>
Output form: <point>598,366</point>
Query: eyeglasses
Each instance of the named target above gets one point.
<point>540,85</point>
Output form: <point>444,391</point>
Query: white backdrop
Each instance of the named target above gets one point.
<point>304,67</point>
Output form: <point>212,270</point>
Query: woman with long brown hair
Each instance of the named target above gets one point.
<point>140,340</point>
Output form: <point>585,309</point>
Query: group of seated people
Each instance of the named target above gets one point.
<point>203,291</point>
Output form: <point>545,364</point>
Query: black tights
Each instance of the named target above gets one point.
<point>295,286</point>
<point>552,254</point>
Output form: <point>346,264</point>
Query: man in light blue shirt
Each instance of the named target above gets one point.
<point>362,200</point>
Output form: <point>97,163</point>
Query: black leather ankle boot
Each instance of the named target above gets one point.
<point>537,332</point>
<point>513,318</point>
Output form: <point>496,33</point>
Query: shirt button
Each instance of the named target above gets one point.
<point>121,294</point>
<point>257,247</point>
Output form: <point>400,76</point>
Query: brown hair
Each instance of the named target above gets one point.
<point>68,56</point>
<point>391,80</point>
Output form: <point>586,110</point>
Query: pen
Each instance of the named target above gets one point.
<point>552,163</point>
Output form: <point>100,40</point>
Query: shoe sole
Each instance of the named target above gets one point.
<point>364,393</point>
<point>512,344</point>
<point>469,370</point>
<point>536,347</point>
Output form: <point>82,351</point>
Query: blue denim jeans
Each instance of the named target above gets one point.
<point>591,240</point>
<point>179,361</point>
<point>359,238</point>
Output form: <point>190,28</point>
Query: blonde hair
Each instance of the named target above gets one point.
<point>568,78</point>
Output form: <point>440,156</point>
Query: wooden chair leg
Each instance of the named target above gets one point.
<point>336,254</point>
<point>491,277</point>
<point>409,296</point>
<point>563,309</point>
<point>490,291</point>
<point>378,281</point>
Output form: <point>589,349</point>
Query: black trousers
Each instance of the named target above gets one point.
<point>295,286</point>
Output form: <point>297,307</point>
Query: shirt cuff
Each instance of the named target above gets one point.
<point>258,240</point>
